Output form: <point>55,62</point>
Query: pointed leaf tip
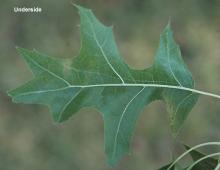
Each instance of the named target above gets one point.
<point>168,27</point>
<point>76,6</point>
<point>169,21</point>
<point>22,50</point>
<point>80,8</point>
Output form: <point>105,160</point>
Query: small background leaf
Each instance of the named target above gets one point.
<point>207,164</point>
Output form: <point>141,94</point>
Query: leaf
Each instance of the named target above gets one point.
<point>174,167</point>
<point>207,164</point>
<point>166,167</point>
<point>99,77</point>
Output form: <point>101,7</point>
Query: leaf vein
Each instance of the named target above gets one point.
<point>102,51</point>
<point>121,118</point>
<point>53,74</point>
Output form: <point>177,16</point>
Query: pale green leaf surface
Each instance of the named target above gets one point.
<point>98,77</point>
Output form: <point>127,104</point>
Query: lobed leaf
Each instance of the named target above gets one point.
<point>99,77</point>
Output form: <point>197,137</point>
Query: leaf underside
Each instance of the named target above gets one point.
<point>99,77</point>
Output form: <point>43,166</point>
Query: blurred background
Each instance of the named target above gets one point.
<point>30,140</point>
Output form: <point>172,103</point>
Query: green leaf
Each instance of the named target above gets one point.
<point>166,167</point>
<point>174,167</point>
<point>207,164</point>
<point>99,77</point>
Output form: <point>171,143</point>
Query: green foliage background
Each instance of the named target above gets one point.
<point>28,137</point>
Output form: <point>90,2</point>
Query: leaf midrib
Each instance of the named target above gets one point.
<point>130,85</point>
